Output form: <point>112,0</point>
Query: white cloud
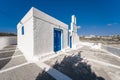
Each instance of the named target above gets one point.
<point>79,27</point>
<point>109,24</point>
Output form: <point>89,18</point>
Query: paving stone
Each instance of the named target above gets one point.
<point>7,54</point>
<point>7,63</point>
<point>27,72</point>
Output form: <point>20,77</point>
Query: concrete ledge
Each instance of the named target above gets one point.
<point>53,72</point>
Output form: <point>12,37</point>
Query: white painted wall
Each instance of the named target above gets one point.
<point>25,42</point>
<point>7,40</point>
<point>73,31</point>
<point>75,39</point>
<point>38,34</point>
<point>44,33</point>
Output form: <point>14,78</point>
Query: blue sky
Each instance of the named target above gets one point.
<point>96,17</point>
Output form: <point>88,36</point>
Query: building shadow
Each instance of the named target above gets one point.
<point>74,67</point>
<point>6,55</point>
<point>44,76</point>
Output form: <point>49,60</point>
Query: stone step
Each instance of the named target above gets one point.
<point>9,48</point>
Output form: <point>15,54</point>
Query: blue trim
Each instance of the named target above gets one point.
<point>22,30</point>
<point>68,38</point>
<point>62,38</point>
<point>58,29</point>
<point>58,39</point>
<point>70,41</point>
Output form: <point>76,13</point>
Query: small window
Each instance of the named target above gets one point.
<point>22,30</point>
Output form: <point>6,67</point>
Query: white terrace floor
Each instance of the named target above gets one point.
<point>105,66</point>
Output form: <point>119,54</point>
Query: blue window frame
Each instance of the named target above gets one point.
<point>22,30</point>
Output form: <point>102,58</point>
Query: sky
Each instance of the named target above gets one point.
<point>95,17</point>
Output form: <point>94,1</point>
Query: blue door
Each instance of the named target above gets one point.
<point>57,40</point>
<point>70,42</point>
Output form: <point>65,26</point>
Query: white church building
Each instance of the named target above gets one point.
<point>40,34</point>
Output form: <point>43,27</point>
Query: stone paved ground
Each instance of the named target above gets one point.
<point>99,55</point>
<point>114,45</point>
<point>76,64</point>
<point>7,48</point>
<point>11,69</point>
<point>6,60</point>
<point>27,72</point>
<point>83,69</point>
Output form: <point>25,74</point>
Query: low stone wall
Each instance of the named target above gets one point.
<point>91,45</point>
<point>113,50</point>
<point>7,40</point>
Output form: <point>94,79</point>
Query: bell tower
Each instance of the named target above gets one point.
<point>73,36</point>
